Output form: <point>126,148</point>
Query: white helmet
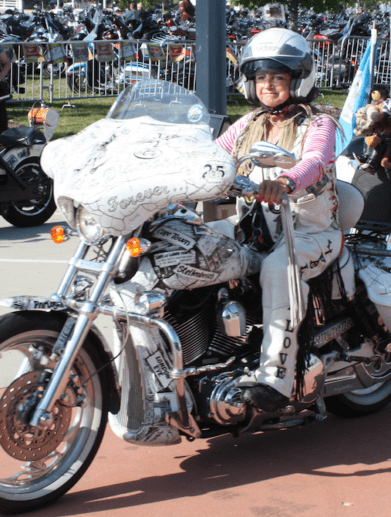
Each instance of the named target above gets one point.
<point>278,50</point>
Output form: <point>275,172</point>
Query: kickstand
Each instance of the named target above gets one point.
<point>69,105</point>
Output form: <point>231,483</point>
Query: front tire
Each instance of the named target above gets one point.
<point>57,68</point>
<point>78,84</point>
<point>36,211</point>
<point>26,343</point>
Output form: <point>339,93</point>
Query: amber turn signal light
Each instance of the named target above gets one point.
<point>57,233</point>
<point>134,247</point>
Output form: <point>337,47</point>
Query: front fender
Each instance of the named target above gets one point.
<point>76,69</point>
<point>16,155</point>
<point>27,303</point>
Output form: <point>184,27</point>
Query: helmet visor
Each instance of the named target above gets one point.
<point>252,68</point>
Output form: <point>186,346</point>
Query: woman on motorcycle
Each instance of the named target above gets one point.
<point>278,75</point>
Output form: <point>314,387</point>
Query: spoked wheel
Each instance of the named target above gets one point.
<point>366,400</point>
<point>36,211</point>
<point>38,465</point>
<point>78,85</point>
<point>56,68</point>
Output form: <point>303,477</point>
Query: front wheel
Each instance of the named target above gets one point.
<point>57,69</point>
<point>36,211</point>
<point>78,85</point>
<point>40,465</point>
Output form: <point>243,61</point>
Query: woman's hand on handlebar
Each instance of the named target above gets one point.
<point>271,191</point>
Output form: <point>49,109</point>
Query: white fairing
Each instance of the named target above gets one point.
<point>124,171</point>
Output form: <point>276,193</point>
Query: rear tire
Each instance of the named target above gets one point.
<point>360,402</point>
<point>67,447</point>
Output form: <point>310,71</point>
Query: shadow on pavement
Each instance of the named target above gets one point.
<point>229,463</point>
<point>35,233</point>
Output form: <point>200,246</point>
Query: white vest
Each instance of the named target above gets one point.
<point>315,209</point>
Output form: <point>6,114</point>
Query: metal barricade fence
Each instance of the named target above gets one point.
<point>71,70</point>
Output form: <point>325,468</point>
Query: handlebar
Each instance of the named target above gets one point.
<point>243,186</point>
<point>6,97</point>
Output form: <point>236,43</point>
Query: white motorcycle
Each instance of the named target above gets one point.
<point>185,302</point>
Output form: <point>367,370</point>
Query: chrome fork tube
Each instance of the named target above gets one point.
<point>71,272</point>
<point>87,313</point>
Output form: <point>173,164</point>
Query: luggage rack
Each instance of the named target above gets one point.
<point>370,238</point>
<point>374,227</point>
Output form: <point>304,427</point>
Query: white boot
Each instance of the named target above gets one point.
<point>278,352</point>
<point>270,386</point>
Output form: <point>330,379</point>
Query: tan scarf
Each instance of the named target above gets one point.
<point>257,127</point>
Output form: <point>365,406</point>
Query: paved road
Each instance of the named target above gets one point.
<point>336,468</point>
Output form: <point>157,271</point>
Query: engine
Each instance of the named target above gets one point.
<point>212,328</point>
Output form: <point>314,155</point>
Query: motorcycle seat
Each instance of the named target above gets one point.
<point>21,136</point>
<point>351,205</point>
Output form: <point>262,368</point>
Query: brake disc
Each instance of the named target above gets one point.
<point>18,438</point>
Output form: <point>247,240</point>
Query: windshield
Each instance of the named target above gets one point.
<point>159,100</point>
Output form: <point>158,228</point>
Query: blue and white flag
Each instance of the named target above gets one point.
<point>358,95</point>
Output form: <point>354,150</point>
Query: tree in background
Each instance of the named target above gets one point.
<point>320,6</point>
<point>124,4</point>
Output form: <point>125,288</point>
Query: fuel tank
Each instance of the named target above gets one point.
<point>196,256</point>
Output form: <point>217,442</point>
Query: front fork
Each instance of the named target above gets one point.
<point>88,311</point>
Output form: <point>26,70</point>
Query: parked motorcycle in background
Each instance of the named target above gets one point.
<point>26,192</point>
<point>365,163</point>
<point>184,298</point>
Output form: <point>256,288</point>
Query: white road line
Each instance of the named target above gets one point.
<point>36,261</point>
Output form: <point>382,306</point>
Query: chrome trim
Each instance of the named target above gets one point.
<point>89,311</point>
<point>233,318</point>
<point>176,211</point>
<point>153,300</point>
<point>178,373</point>
<point>70,273</point>
<point>332,331</point>
<point>145,245</point>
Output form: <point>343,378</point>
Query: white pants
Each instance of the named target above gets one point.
<point>279,346</point>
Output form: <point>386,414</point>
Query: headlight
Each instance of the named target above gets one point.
<point>89,228</point>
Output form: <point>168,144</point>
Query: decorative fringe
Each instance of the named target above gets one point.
<point>296,299</point>
<point>319,297</point>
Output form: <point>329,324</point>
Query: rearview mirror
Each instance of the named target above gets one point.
<point>266,154</point>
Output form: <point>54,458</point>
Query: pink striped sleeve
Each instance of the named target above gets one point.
<point>318,152</point>
<point>228,138</point>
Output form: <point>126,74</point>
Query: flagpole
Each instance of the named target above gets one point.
<point>389,43</point>
<point>372,59</point>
